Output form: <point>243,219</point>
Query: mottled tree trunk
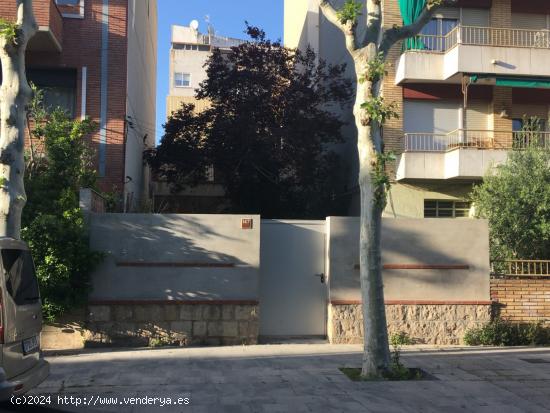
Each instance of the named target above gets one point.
<point>376,355</point>
<point>373,44</point>
<point>15,95</point>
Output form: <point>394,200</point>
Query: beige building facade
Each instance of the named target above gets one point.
<point>189,53</point>
<point>462,88</point>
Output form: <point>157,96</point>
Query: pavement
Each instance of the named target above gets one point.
<point>294,378</point>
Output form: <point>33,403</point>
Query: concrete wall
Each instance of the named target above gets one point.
<point>411,197</point>
<point>141,102</point>
<point>175,257</point>
<point>461,163</point>
<point>447,242</point>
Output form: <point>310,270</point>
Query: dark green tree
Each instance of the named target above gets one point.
<point>515,198</point>
<point>267,132</point>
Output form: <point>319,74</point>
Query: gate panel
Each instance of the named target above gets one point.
<point>293,301</point>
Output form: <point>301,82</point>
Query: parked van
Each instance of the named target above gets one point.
<point>20,321</point>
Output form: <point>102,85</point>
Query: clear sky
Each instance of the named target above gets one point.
<point>227,17</point>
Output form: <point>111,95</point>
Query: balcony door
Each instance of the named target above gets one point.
<point>428,123</point>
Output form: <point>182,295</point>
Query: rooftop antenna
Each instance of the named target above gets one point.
<point>194,25</point>
<point>211,31</point>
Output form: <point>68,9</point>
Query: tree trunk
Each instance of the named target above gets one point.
<point>15,95</point>
<point>376,355</point>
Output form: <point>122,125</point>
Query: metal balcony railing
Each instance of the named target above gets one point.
<point>480,36</point>
<point>480,139</point>
<point>521,268</point>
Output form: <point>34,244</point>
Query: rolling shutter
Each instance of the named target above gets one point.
<point>529,21</point>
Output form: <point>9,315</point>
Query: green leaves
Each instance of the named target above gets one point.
<point>8,31</point>
<point>349,12</point>
<point>380,178</point>
<point>376,69</point>
<point>515,198</point>
<point>377,110</point>
<point>53,224</point>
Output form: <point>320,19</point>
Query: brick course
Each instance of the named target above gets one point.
<point>524,300</point>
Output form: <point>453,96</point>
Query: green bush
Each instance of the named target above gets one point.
<point>503,333</point>
<point>58,165</point>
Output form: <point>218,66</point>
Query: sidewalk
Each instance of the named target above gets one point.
<point>304,378</point>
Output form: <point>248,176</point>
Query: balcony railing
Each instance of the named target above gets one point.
<point>480,36</point>
<point>521,268</point>
<point>219,41</point>
<point>480,139</point>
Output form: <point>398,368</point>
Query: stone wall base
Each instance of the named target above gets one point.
<point>441,324</point>
<point>142,324</point>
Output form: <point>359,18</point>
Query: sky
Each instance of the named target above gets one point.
<point>227,17</point>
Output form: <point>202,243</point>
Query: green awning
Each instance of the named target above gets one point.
<point>528,82</point>
<point>525,82</point>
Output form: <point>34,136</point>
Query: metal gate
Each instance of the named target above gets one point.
<point>293,293</point>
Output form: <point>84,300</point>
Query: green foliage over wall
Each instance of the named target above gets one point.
<point>516,200</point>
<point>58,165</point>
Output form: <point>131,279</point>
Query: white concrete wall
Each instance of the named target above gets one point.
<point>141,101</point>
<point>419,242</point>
<point>517,61</point>
<point>457,163</point>
<point>156,240</point>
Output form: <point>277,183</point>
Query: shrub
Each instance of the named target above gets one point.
<point>52,223</point>
<point>504,333</point>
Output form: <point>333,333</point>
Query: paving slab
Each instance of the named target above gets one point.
<point>297,378</point>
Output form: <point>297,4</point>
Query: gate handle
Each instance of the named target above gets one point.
<point>321,276</point>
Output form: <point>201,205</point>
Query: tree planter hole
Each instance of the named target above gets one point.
<point>413,373</point>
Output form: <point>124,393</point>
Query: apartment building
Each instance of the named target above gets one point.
<point>189,52</point>
<point>97,59</point>
<point>463,87</point>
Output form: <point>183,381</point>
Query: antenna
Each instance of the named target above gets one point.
<point>194,25</point>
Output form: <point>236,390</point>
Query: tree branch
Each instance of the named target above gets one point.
<point>393,35</point>
<point>374,22</point>
<point>348,29</point>
<point>26,19</point>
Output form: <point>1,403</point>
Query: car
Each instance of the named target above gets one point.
<point>21,365</point>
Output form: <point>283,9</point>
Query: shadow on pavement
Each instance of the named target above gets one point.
<point>9,407</point>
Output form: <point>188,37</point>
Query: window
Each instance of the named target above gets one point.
<point>517,124</point>
<point>21,281</point>
<point>182,79</point>
<point>435,32</point>
<point>446,209</point>
<point>528,132</point>
<point>68,2</point>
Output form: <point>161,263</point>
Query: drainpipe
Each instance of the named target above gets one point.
<point>104,86</point>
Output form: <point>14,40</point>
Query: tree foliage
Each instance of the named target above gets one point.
<point>53,225</point>
<point>267,131</point>
<point>516,200</point>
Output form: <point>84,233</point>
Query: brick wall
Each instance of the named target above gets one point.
<point>522,300</point>
<point>502,102</point>
<point>393,129</point>
<point>501,13</point>
<point>82,48</point>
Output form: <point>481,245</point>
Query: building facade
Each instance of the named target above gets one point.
<point>97,59</point>
<point>189,53</point>
<point>463,88</point>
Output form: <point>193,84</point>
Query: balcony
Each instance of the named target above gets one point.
<point>477,50</point>
<point>461,154</point>
<point>49,37</point>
